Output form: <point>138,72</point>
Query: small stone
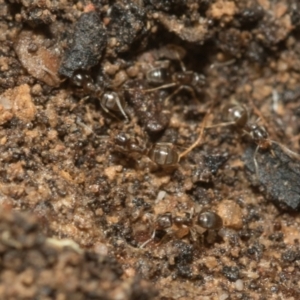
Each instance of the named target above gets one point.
<point>231,214</point>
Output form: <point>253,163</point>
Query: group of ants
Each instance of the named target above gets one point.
<point>166,154</point>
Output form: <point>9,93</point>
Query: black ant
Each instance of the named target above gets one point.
<point>183,80</point>
<point>163,154</point>
<point>111,102</point>
<point>238,116</point>
<point>125,143</point>
<point>184,224</point>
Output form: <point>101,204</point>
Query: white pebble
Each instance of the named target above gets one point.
<point>161,195</point>
<point>223,296</point>
<point>239,285</point>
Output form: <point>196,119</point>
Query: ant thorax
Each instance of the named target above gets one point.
<point>188,78</point>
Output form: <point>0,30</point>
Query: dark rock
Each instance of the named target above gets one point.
<point>278,176</point>
<point>85,46</point>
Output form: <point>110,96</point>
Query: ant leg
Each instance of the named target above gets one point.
<point>191,91</point>
<point>172,95</point>
<point>289,152</point>
<point>225,124</point>
<point>148,241</point>
<point>258,113</point>
<point>53,75</point>
<point>183,68</point>
<point>109,113</point>
<point>196,143</point>
<point>122,110</point>
<point>180,88</point>
<point>223,64</point>
<point>79,103</point>
<point>165,86</point>
<point>255,163</point>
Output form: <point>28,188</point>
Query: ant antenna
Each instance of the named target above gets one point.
<point>225,124</point>
<point>182,87</point>
<point>201,131</point>
<point>118,102</point>
<point>54,76</point>
<point>258,113</point>
<point>149,240</point>
<point>165,86</point>
<point>183,68</point>
<point>287,150</point>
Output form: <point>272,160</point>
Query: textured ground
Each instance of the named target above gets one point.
<point>87,206</point>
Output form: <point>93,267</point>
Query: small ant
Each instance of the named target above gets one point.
<point>125,143</point>
<point>110,101</point>
<point>188,223</point>
<point>163,154</point>
<point>238,116</point>
<point>183,80</point>
<point>166,154</point>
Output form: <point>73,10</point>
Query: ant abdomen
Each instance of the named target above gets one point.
<point>209,220</point>
<point>158,76</point>
<point>111,102</point>
<point>164,154</point>
<point>237,115</point>
<point>164,221</point>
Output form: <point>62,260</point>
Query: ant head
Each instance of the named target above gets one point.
<point>82,79</point>
<point>259,135</point>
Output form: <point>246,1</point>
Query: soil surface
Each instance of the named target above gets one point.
<point>149,149</point>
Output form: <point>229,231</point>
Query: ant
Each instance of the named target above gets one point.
<point>126,143</point>
<point>183,80</point>
<point>187,223</point>
<point>111,102</point>
<point>238,116</point>
<point>163,154</point>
